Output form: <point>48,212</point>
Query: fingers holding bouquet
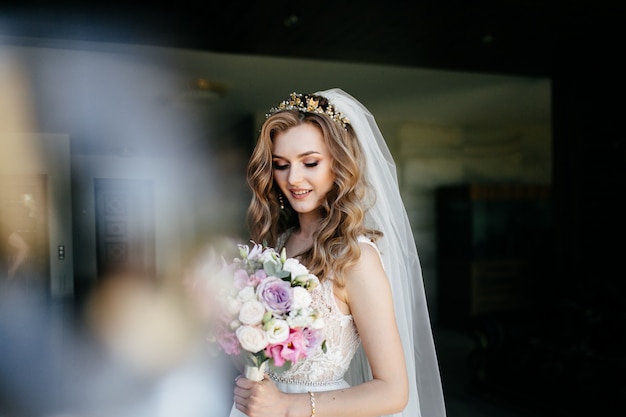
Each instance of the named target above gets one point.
<point>258,398</point>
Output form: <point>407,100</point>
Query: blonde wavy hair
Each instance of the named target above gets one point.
<point>335,244</point>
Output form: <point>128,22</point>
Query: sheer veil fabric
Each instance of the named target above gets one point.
<point>401,263</point>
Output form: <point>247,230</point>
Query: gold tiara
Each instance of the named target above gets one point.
<point>310,104</point>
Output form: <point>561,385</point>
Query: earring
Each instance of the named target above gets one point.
<point>280,201</point>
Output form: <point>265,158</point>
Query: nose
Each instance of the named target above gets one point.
<point>295,175</point>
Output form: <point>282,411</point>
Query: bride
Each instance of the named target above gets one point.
<point>324,187</point>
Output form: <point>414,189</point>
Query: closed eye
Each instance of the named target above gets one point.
<point>311,164</point>
<point>280,167</point>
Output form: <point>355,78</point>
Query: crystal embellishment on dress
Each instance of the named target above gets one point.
<point>292,380</point>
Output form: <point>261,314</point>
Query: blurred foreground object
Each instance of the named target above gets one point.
<point>141,323</point>
<point>135,355</point>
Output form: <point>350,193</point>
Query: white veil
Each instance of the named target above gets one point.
<point>401,263</point>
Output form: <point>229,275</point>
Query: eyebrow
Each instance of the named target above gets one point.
<point>307,153</point>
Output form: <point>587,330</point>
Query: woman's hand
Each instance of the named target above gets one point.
<point>259,399</point>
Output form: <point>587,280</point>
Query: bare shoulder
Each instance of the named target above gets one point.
<point>368,293</point>
<point>369,254</point>
<point>368,267</point>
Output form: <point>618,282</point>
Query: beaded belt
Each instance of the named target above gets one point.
<point>289,380</point>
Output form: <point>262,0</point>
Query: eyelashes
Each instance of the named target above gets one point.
<point>282,167</point>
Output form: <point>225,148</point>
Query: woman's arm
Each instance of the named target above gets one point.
<point>371,305</point>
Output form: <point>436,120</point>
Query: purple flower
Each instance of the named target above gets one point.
<point>313,339</point>
<point>275,294</point>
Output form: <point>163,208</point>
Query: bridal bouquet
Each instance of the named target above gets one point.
<point>264,310</point>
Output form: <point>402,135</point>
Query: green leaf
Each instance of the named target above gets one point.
<point>284,275</point>
<point>279,369</point>
<point>271,268</point>
<point>258,358</point>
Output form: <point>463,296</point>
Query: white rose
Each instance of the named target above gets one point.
<point>300,320</point>
<point>301,298</point>
<point>246,294</point>
<point>295,268</point>
<point>277,331</point>
<point>252,339</point>
<point>251,312</point>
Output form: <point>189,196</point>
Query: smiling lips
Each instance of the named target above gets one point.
<point>300,194</point>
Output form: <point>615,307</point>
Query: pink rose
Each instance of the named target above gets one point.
<point>296,346</point>
<point>229,343</point>
<point>257,277</point>
<point>274,352</point>
<point>293,349</point>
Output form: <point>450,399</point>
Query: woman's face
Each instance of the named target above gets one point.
<point>302,167</point>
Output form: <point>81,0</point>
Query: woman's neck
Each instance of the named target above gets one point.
<point>301,239</point>
<point>308,225</point>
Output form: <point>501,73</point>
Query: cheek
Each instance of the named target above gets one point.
<point>329,180</point>
<point>279,177</point>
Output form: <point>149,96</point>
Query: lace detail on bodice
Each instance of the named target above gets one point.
<point>339,332</point>
<point>342,341</point>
